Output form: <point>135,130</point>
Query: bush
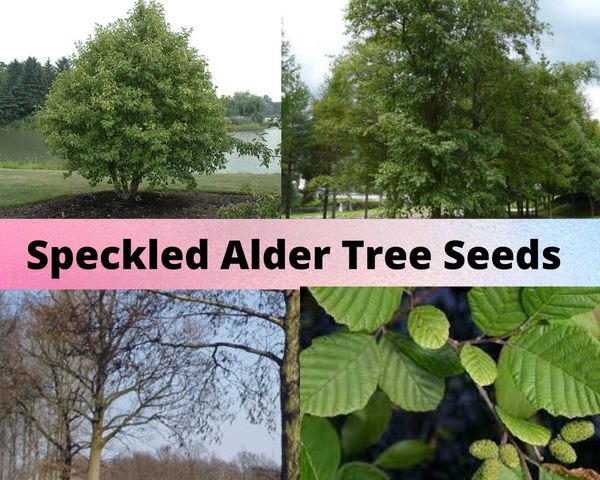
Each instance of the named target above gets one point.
<point>261,205</point>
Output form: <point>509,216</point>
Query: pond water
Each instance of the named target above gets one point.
<point>27,146</point>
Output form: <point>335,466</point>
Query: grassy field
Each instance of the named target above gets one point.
<point>24,187</point>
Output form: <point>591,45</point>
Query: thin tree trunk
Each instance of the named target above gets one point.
<point>592,206</point>
<point>550,206</point>
<point>366,203</point>
<point>334,203</point>
<point>508,209</point>
<point>95,461</point>
<point>436,211</point>
<point>527,207</point>
<point>536,207</point>
<point>288,190</point>
<point>325,202</point>
<point>97,443</point>
<point>290,389</point>
<point>135,186</point>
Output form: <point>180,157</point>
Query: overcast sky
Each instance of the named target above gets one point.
<point>240,38</point>
<point>314,38</point>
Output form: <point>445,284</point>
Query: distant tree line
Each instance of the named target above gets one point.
<point>246,105</point>
<point>24,86</point>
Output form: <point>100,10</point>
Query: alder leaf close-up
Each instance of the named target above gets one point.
<point>360,471</point>
<point>524,430</point>
<point>429,327</point>
<point>338,374</point>
<point>559,303</point>
<point>404,455</point>
<point>359,308</point>
<point>497,311</point>
<point>557,367</point>
<point>407,384</point>
<point>364,427</point>
<point>508,395</point>
<point>479,365</point>
<point>320,449</point>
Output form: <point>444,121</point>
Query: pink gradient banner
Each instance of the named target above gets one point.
<point>577,242</point>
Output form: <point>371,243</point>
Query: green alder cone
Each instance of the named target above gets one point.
<point>578,431</point>
<point>484,450</point>
<point>491,469</point>
<point>562,451</point>
<point>509,456</point>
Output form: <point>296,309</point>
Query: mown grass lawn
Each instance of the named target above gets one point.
<point>24,187</point>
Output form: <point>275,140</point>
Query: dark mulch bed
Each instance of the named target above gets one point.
<point>108,205</point>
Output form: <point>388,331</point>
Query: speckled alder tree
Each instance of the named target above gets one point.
<point>139,106</point>
<point>549,363</point>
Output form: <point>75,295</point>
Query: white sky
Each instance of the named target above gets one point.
<point>240,38</point>
<point>315,37</point>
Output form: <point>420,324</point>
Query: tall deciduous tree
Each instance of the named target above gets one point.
<point>139,104</point>
<point>432,62</point>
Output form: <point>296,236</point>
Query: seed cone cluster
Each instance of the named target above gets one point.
<point>494,458</point>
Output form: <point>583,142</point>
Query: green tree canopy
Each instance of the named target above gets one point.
<point>139,104</point>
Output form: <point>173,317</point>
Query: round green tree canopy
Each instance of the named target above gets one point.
<point>139,104</point>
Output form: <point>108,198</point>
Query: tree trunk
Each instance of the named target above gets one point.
<point>95,462</point>
<point>97,444</point>
<point>592,206</point>
<point>287,190</point>
<point>65,468</point>
<point>366,203</point>
<point>527,208</point>
<point>325,202</point>
<point>536,207</point>
<point>436,211</point>
<point>508,209</point>
<point>334,203</point>
<point>290,389</point>
<point>550,206</point>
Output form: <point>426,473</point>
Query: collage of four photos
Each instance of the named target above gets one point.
<point>350,110</point>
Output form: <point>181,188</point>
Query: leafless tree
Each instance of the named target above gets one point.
<point>253,344</point>
<point>93,367</point>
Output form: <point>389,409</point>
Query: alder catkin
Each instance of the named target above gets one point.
<point>509,456</point>
<point>578,431</point>
<point>563,451</point>
<point>491,469</point>
<point>484,450</point>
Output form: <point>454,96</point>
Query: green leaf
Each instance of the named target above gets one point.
<point>557,368</point>
<point>360,308</point>
<point>441,363</point>
<point>479,365</point>
<point>497,311</point>
<point>546,475</point>
<point>408,385</point>
<point>364,427</point>
<point>360,471</point>
<point>320,449</point>
<point>429,327</point>
<point>338,374</point>
<point>590,321</point>
<point>524,430</point>
<point>404,455</point>
<point>551,303</point>
<point>508,395</point>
